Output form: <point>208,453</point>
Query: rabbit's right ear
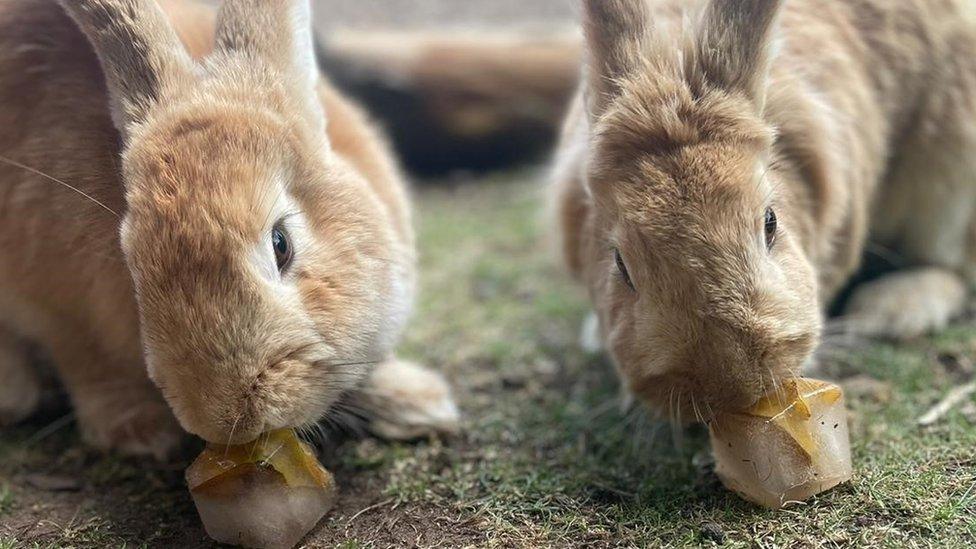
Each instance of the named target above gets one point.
<point>278,34</point>
<point>615,33</point>
<point>141,55</point>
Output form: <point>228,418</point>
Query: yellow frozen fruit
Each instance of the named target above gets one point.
<point>793,444</point>
<point>266,494</point>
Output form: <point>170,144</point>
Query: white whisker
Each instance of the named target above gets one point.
<point>78,191</point>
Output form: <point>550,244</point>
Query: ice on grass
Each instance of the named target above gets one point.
<point>790,446</point>
<point>266,494</point>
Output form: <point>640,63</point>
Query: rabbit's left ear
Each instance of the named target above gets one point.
<point>735,45</point>
<point>140,53</point>
<point>278,34</point>
<point>615,32</point>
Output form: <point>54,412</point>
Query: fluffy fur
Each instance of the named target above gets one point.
<point>190,138</point>
<point>851,119</point>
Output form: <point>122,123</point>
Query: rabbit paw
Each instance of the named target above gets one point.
<point>590,339</point>
<point>908,304</point>
<point>405,401</point>
<point>139,429</point>
<point>20,392</point>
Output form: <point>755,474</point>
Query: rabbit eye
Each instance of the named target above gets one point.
<point>282,248</point>
<point>771,225</point>
<point>622,269</point>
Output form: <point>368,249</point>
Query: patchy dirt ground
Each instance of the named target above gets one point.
<point>547,459</point>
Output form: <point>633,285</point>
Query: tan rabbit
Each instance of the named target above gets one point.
<point>236,228</point>
<point>728,161</point>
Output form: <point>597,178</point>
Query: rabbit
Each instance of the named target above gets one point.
<point>197,230</point>
<point>725,165</point>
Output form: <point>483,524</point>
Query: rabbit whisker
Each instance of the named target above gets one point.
<point>271,208</point>
<point>230,437</point>
<point>694,405</point>
<point>272,454</point>
<point>72,188</point>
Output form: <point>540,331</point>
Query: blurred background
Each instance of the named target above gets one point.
<point>473,85</point>
<point>441,14</point>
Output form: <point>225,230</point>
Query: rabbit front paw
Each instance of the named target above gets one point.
<point>20,390</point>
<point>590,339</point>
<point>132,429</point>
<point>405,401</point>
<point>908,304</point>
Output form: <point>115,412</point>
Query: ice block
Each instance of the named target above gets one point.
<point>265,494</point>
<point>793,444</point>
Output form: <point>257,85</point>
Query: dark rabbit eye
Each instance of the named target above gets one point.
<point>282,248</point>
<point>771,225</point>
<point>622,268</point>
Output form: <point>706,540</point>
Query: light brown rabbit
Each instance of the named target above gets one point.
<point>728,161</point>
<point>233,226</point>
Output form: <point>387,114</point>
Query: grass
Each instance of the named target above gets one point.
<point>547,458</point>
<point>6,499</point>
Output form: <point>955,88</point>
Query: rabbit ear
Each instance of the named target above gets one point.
<point>141,55</point>
<point>735,45</point>
<point>615,33</point>
<point>278,33</point>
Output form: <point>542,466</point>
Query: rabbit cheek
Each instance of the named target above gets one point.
<point>635,340</point>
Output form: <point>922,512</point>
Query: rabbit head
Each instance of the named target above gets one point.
<point>705,296</point>
<point>268,276</point>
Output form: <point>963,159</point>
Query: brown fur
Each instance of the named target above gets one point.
<point>851,118</point>
<point>201,153</point>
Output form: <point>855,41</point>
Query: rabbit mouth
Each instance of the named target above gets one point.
<point>288,394</point>
<point>684,401</point>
